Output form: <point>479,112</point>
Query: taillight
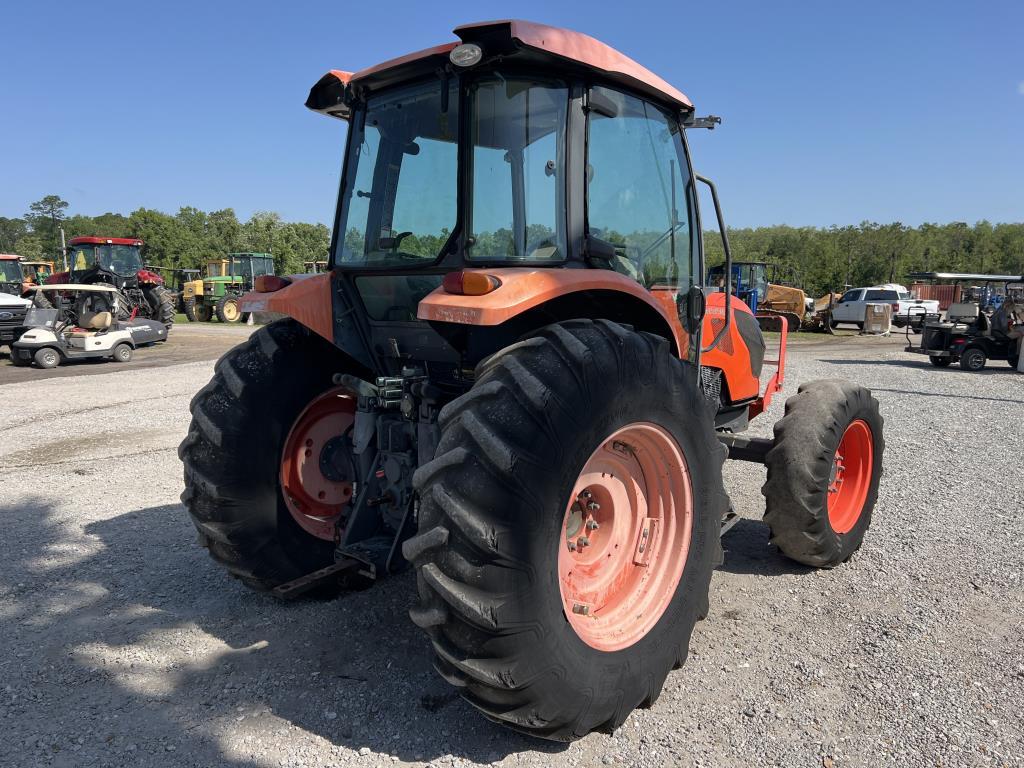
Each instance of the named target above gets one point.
<point>895,309</point>
<point>465,283</point>
<point>959,340</point>
<point>270,283</point>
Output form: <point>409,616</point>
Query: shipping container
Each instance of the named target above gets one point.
<point>944,294</point>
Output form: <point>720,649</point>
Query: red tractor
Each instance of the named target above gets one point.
<point>117,261</point>
<point>513,379</point>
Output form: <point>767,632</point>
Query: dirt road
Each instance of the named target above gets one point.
<point>122,644</point>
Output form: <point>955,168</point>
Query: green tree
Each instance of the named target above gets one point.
<point>45,217</point>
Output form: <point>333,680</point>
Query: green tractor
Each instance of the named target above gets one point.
<point>225,282</point>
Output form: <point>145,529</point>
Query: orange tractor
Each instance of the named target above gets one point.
<point>512,379</point>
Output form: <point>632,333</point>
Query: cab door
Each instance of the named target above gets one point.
<point>639,193</point>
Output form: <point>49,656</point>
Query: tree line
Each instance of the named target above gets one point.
<point>187,239</point>
<point>818,259</point>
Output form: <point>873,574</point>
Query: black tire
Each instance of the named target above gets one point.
<point>189,307</point>
<point>800,465</point>
<point>161,304</point>
<point>492,503</point>
<point>122,353</point>
<point>940,362</point>
<point>233,449</point>
<point>1013,360</point>
<point>204,313</point>
<point>860,325</point>
<point>973,359</point>
<point>17,360</point>
<point>47,357</point>
<point>227,309</point>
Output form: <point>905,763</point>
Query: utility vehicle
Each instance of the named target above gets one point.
<point>512,378</point>
<point>79,322</point>
<point>225,282</point>
<point>117,261</point>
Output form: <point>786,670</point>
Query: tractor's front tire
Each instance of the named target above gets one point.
<point>232,454</point>
<point>189,305</point>
<point>512,628</point>
<point>227,309</point>
<point>161,304</point>
<point>823,472</point>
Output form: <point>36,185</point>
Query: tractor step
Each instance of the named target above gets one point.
<point>292,589</point>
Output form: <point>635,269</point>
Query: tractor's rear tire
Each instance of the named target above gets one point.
<point>494,522</point>
<point>832,431</point>
<point>189,307</point>
<point>232,454</point>
<point>204,313</point>
<point>940,362</point>
<point>161,304</point>
<point>227,309</point>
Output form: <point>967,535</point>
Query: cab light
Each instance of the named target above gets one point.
<point>466,55</point>
<point>469,283</point>
<point>270,283</point>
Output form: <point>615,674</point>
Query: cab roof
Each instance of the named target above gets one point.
<point>551,46</point>
<point>9,257</point>
<point>104,241</point>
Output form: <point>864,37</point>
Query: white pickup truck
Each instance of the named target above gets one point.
<point>851,307</point>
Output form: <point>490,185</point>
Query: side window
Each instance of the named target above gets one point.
<point>849,296</point>
<point>638,189</point>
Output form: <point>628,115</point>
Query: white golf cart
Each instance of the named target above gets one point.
<point>72,321</point>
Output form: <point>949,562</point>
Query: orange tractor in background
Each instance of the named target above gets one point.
<point>513,379</point>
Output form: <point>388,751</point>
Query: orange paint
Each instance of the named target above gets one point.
<point>523,288</point>
<point>731,356</point>
<point>851,477</point>
<point>308,299</point>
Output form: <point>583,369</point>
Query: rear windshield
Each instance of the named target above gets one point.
<point>881,296</point>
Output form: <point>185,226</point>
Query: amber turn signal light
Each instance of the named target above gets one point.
<point>270,283</point>
<point>469,283</point>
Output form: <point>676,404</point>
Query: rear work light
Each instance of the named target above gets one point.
<point>270,283</point>
<point>469,283</point>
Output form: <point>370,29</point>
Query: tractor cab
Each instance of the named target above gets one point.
<point>226,280</point>
<point>11,277</point>
<point>749,281</point>
<point>111,260</point>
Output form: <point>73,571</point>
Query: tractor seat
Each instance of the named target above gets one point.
<point>91,322</point>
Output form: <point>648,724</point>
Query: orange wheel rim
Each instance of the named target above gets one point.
<point>625,536</point>
<point>315,500</point>
<point>850,477</point>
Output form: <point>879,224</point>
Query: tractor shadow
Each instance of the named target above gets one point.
<point>133,638</point>
<point>747,551</point>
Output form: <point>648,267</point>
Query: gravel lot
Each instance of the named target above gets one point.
<point>121,643</point>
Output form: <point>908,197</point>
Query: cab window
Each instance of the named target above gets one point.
<point>638,191</point>
<point>849,296</point>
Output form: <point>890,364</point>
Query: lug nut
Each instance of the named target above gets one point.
<point>585,494</point>
<point>582,541</point>
<point>592,525</point>
<point>593,506</point>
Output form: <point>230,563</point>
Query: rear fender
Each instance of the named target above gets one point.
<point>538,297</point>
<point>307,300</point>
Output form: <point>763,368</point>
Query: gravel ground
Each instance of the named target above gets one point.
<point>121,643</point>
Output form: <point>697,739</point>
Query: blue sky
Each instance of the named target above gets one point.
<point>833,113</point>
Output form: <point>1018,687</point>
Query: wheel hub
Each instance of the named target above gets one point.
<point>850,477</point>
<point>625,537</point>
<point>316,472</point>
